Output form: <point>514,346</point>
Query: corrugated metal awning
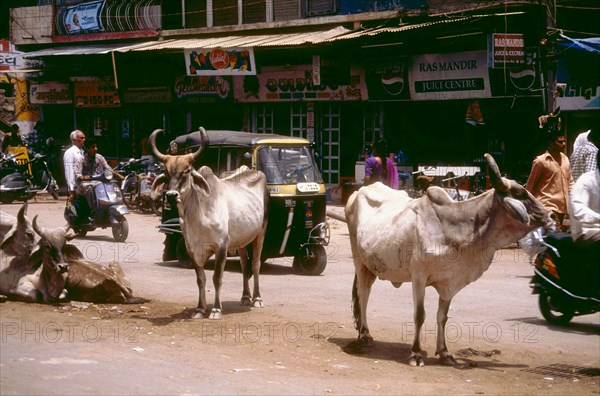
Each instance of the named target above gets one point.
<point>84,50</point>
<point>246,41</point>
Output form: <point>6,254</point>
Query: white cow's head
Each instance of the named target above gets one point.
<point>51,245</point>
<point>20,239</point>
<point>520,204</point>
<point>179,172</point>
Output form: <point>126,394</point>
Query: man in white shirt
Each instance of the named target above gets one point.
<point>585,207</point>
<point>70,158</point>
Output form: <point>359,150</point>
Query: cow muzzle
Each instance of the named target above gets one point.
<point>62,268</point>
<point>172,197</point>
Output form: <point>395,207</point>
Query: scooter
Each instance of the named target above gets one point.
<point>14,183</point>
<point>106,211</point>
<point>22,181</point>
<point>565,277</point>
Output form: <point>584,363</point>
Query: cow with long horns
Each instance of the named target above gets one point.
<point>433,241</point>
<point>217,216</point>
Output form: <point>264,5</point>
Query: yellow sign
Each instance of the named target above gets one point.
<point>24,110</point>
<point>96,93</point>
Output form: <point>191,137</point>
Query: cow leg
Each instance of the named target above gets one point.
<point>257,301</point>
<point>363,281</point>
<point>200,312</point>
<point>442,318</point>
<point>27,293</point>
<point>220,258</point>
<point>246,296</point>
<point>418,289</point>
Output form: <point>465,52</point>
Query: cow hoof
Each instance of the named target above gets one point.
<point>246,301</point>
<point>447,360</point>
<point>365,340</point>
<point>258,303</point>
<point>416,360</point>
<point>198,315</point>
<point>215,314</point>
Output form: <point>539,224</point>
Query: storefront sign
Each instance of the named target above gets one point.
<point>388,80</point>
<point>507,50</point>
<point>197,89</point>
<point>219,61</point>
<point>84,18</point>
<point>147,95</point>
<point>296,84</point>
<point>49,93</point>
<point>96,93</point>
<point>462,75</point>
<point>13,60</point>
<point>24,109</point>
<point>578,78</point>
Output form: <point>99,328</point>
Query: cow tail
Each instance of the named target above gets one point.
<point>355,302</point>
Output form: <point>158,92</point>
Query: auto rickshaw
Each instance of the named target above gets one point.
<point>297,226</point>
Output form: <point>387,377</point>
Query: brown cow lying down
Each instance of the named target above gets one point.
<point>96,283</point>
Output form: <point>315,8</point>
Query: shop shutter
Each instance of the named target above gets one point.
<point>320,7</point>
<point>284,10</point>
<point>254,11</point>
<point>225,12</point>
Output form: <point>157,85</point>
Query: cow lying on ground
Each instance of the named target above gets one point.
<point>433,241</point>
<point>40,276</point>
<point>217,215</point>
<point>86,281</point>
<point>17,237</point>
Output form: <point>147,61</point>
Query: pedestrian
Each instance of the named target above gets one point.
<point>379,167</point>
<point>13,139</point>
<point>70,158</point>
<point>585,207</point>
<point>585,151</point>
<point>550,179</point>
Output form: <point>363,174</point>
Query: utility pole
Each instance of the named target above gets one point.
<point>551,61</point>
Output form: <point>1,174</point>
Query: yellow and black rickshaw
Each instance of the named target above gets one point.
<point>297,225</point>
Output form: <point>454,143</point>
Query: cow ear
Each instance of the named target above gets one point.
<point>516,209</point>
<point>72,252</point>
<point>201,183</point>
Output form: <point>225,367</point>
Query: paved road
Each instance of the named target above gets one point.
<point>298,344</point>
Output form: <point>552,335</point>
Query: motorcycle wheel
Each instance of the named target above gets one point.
<point>554,311</point>
<point>6,199</point>
<point>312,261</point>
<point>54,192</point>
<point>120,230</point>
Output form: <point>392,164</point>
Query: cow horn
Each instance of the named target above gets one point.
<point>22,212</point>
<point>204,141</point>
<point>495,177</point>
<point>152,142</point>
<point>36,228</point>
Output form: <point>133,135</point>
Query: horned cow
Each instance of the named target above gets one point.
<point>217,215</point>
<point>432,241</point>
<point>41,275</point>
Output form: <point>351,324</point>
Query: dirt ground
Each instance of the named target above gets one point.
<point>301,342</point>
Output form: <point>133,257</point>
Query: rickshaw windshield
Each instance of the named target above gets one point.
<point>288,165</point>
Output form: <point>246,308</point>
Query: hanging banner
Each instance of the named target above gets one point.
<point>275,84</point>
<point>24,109</point>
<point>462,75</point>
<point>49,93</point>
<point>219,61</point>
<point>578,78</point>
<point>204,89</point>
<point>84,18</point>
<point>96,93</point>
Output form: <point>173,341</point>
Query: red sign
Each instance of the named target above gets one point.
<point>508,50</point>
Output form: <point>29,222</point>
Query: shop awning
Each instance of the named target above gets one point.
<point>246,41</point>
<point>83,50</point>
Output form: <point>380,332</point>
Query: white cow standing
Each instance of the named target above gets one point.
<point>433,241</point>
<point>216,216</point>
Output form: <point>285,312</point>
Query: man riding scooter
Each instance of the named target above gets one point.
<point>90,164</point>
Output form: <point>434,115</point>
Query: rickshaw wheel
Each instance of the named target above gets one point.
<point>312,261</point>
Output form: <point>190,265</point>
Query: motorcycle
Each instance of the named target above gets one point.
<point>565,276</point>
<point>107,210</point>
<point>22,181</point>
<point>137,184</point>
